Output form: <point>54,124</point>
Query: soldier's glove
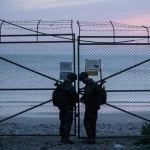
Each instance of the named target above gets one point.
<point>81,100</point>
<point>102,82</point>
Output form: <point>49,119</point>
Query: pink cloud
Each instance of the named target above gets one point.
<point>140,20</point>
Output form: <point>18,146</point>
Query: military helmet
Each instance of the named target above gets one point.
<point>82,75</point>
<point>72,76</point>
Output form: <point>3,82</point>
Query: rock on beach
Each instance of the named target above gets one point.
<point>44,142</point>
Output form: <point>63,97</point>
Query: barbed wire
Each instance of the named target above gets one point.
<point>36,28</point>
<point>35,25</point>
<point>43,24</point>
<point>115,25</point>
<point>126,26</point>
<point>61,24</point>
<point>110,30</point>
<point>68,24</point>
<point>36,22</point>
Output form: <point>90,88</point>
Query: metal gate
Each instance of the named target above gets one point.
<point>125,68</point>
<point>29,69</point>
<point>31,66</point>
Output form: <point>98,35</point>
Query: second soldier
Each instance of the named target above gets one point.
<point>90,100</point>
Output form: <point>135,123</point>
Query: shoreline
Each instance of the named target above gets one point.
<point>43,115</point>
<point>43,121</point>
<point>102,129</point>
<point>107,125</point>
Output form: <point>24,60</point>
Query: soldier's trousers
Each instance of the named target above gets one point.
<point>90,118</point>
<point>66,119</point>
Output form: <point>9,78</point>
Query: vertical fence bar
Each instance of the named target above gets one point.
<point>147,32</point>
<point>1,30</point>
<point>79,27</point>
<point>113,30</point>
<point>72,26</point>
<point>74,70</point>
<point>78,86</point>
<point>38,29</point>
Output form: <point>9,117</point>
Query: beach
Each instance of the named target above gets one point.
<point>38,129</point>
<point>43,135</point>
<point>44,120</point>
<point>28,133</point>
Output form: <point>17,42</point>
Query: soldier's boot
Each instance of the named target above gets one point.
<point>66,140</point>
<point>89,140</point>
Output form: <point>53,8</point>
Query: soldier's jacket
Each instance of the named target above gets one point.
<point>90,96</point>
<point>70,96</point>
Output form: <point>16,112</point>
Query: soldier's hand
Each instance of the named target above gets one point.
<point>102,82</point>
<point>81,100</point>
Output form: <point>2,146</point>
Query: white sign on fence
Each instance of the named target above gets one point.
<point>66,66</point>
<point>92,65</point>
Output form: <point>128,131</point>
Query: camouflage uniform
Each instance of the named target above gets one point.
<point>91,107</point>
<point>70,97</point>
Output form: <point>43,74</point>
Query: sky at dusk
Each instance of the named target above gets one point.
<point>129,12</point>
<point>133,12</point>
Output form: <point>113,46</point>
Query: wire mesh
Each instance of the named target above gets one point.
<point>128,91</point>
<point>29,81</point>
<point>27,73</point>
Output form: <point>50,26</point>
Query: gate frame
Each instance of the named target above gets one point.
<point>61,36</point>
<point>84,42</point>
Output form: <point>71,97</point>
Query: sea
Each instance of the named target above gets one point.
<point>26,79</point>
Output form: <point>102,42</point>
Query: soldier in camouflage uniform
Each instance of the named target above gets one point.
<point>70,98</point>
<point>91,107</point>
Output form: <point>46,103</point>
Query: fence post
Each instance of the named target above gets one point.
<point>72,26</point>
<point>147,32</point>
<point>1,29</point>
<point>78,57</point>
<point>113,30</point>
<point>38,29</point>
<point>79,27</point>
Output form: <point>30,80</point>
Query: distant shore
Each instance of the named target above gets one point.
<point>44,114</point>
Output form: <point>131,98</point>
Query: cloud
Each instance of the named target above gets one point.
<point>139,20</point>
<point>45,4</point>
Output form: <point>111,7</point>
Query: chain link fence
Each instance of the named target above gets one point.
<point>28,73</point>
<point>125,67</point>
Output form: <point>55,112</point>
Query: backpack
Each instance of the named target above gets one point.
<point>57,95</point>
<point>102,95</point>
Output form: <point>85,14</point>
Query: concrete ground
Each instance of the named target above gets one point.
<point>53,142</point>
